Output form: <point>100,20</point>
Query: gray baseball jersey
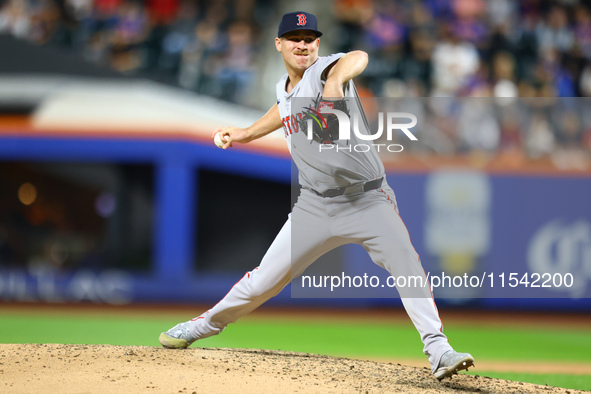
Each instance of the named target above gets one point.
<point>328,169</point>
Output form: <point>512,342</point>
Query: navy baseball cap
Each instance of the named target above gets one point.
<point>298,20</point>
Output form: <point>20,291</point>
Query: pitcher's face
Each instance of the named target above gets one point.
<point>299,49</point>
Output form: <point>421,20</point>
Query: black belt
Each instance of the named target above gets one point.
<point>367,186</point>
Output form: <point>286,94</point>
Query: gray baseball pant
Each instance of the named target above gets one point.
<point>318,225</point>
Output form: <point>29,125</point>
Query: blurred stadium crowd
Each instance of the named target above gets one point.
<point>418,48</point>
<point>539,49</point>
<point>436,47</point>
<point>472,47</point>
<point>208,46</point>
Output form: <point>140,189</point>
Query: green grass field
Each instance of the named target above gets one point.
<point>335,336</point>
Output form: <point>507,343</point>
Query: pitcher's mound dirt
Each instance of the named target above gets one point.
<point>51,368</point>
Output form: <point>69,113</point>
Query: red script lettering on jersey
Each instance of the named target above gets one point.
<point>291,124</point>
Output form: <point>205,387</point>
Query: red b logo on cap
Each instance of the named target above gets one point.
<point>301,19</point>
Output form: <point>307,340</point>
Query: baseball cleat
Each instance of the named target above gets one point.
<point>452,362</point>
<point>178,337</point>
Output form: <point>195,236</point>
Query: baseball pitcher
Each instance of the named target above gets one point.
<point>344,197</point>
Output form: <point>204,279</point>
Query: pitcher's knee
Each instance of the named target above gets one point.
<point>401,253</point>
<point>403,262</point>
<point>264,294</point>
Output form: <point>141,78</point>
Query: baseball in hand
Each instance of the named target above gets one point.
<point>217,139</point>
